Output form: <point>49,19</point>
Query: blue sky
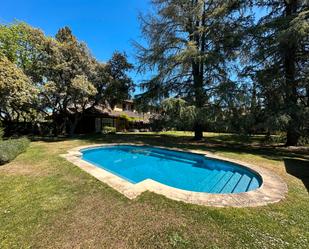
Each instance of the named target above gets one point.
<point>105,25</point>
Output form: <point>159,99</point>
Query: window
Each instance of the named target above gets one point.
<point>107,122</point>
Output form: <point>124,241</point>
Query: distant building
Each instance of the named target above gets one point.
<point>123,117</point>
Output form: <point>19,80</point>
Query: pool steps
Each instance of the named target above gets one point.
<point>228,183</point>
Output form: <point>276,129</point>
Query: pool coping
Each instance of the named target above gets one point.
<point>272,190</point>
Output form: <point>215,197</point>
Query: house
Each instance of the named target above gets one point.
<point>123,117</point>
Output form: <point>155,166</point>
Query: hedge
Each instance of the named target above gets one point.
<point>11,148</point>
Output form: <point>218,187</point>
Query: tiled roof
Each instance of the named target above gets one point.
<point>113,113</point>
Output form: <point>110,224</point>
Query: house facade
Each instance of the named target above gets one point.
<point>123,117</point>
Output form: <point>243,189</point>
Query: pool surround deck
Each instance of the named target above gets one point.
<point>272,190</point>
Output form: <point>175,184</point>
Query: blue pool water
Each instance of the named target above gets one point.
<point>181,170</point>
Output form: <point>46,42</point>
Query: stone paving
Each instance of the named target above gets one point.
<point>272,190</point>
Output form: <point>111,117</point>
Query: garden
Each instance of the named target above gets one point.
<point>46,202</point>
<point>196,135</point>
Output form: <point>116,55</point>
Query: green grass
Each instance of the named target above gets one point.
<point>46,202</point>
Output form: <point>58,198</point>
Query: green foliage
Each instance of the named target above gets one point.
<point>157,123</point>
<point>198,48</point>
<point>22,57</point>
<point>274,139</point>
<point>127,118</point>
<point>178,114</point>
<point>12,40</point>
<point>25,47</point>
<point>304,140</point>
<point>119,84</point>
<point>108,130</point>
<point>56,77</point>
<point>76,81</point>
<point>192,46</point>
<point>195,48</point>
<point>16,90</point>
<point>278,65</point>
<point>68,89</point>
<point>11,148</point>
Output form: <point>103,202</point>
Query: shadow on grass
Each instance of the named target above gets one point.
<point>187,143</point>
<point>299,169</point>
<point>230,143</point>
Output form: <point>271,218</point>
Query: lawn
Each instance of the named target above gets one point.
<point>47,202</point>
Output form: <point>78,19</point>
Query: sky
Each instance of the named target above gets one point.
<point>104,25</point>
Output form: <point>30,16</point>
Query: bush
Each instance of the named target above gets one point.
<point>275,139</point>
<point>109,130</point>
<point>11,148</point>
<point>303,140</point>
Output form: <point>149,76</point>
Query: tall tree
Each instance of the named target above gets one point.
<point>119,84</point>
<point>68,71</point>
<point>281,53</point>
<point>190,47</point>
<point>21,55</point>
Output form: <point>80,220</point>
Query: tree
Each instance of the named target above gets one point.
<point>281,56</point>
<point>77,82</point>
<point>82,93</point>
<point>191,45</point>
<point>21,49</point>
<point>119,84</point>
<point>16,93</point>
<point>25,47</point>
<point>63,76</point>
<point>179,114</point>
<point>68,72</point>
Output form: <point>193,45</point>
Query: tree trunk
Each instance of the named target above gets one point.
<point>199,101</point>
<point>55,127</point>
<point>291,97</point>
<point>58,124</point>
<point>72,128</point>
<point>198,132</point>
<point>198,68</point>
<point>292,137</point>
<point>77,117</point>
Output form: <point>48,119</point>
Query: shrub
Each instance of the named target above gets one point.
<point>11,148</point>
<point>274,139</point>
<point>303,140</point>
<point>108,130</point>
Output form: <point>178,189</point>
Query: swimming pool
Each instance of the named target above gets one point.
<point>181,170</point>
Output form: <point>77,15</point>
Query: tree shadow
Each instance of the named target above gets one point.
<point>299,169</point>
<point>211,144</point>
<point>186,143</point>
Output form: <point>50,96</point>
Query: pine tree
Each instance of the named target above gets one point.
<point>190,47</point>
<point>282,62</point>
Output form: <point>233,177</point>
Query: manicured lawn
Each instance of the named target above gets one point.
<point>46,202</point>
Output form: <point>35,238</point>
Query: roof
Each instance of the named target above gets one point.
<point>100,110</point>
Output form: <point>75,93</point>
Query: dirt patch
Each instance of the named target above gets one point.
<point>24,169</point>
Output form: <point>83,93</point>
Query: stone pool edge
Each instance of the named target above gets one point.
<point>272,190</point>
